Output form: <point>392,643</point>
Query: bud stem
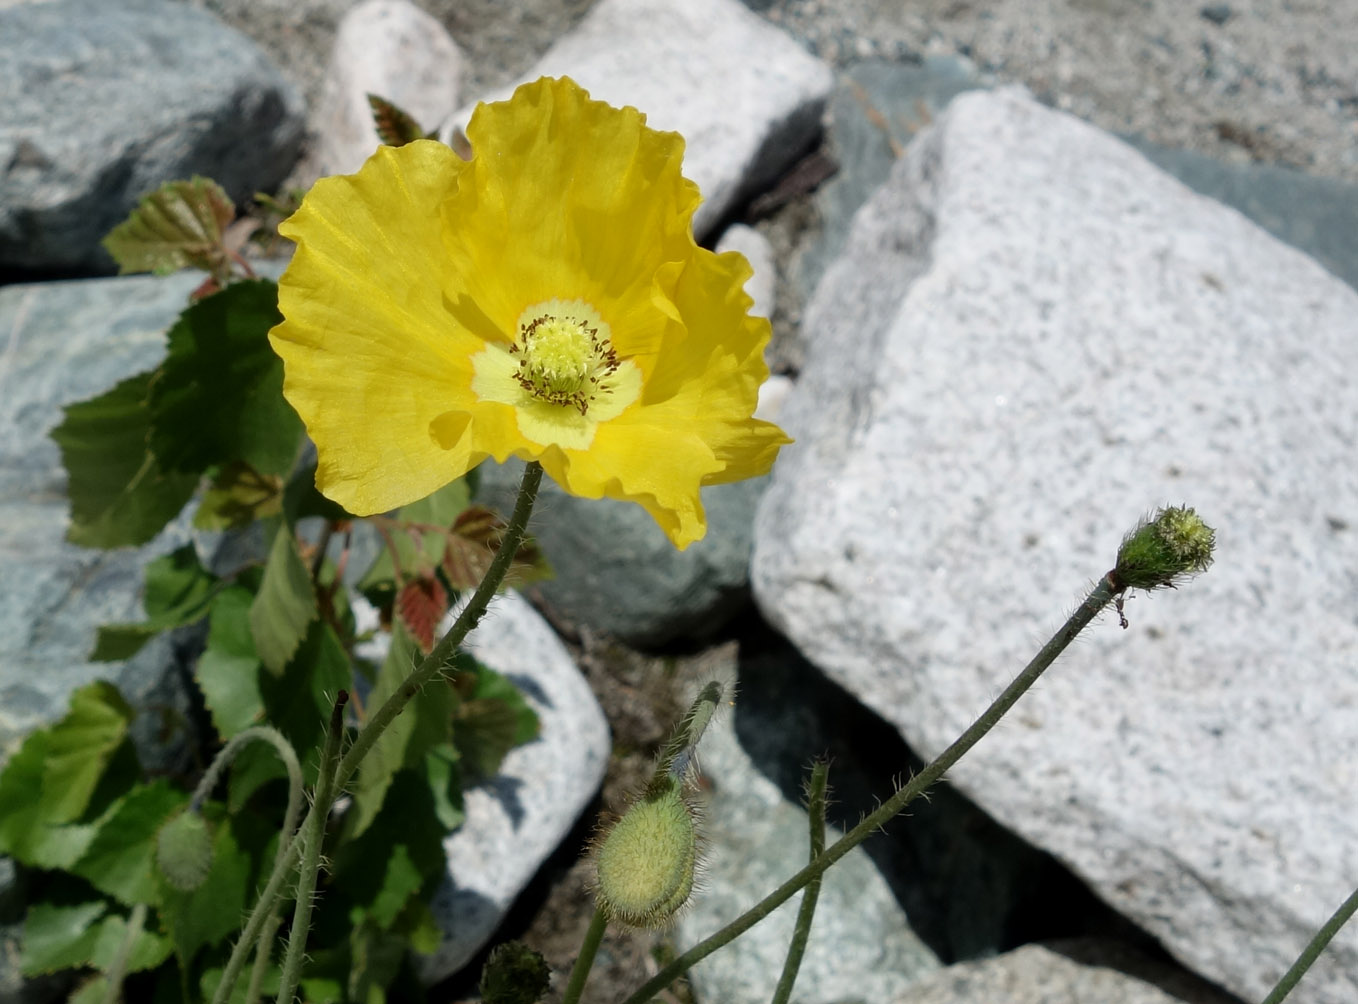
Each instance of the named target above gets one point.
<point>1102,594</point>
<point>585,960</point>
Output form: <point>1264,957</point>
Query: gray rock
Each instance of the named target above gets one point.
<point>617,572</point>
<point>1006,367</point>
<point>861,946</point>
<point>103,102</point>
<point>1313,214</point>
<point>1031,975</point>
<point>874,112</point>
<point>392,49</point>
<point>65,342</point>
<point>745,96</point>
<point>518,818</point>
<point>759,253</point>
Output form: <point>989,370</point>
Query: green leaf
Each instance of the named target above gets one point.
<point>179,225</point>
<point>213,911</point>
<point>228,670</point>
<point>424,725</point>
<point>121,495</point>
<point>285,604</point>
<point>384,869</point>
<point>219,395</point>
<point>444,777</point>
<point>492,719</point>
<point>86,934</point>
<point>179,591</point>
<point>120,859</point>
<point>238,495</point>
<point>79,749</point>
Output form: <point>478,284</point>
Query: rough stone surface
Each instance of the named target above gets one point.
<point>861,945</point>
<point>1005,368</point>
<point>104,101</point>
<point>517,819</point>
<point>617,572</point>
<point>1031,975</point>
<point>60,343</point>
<point>395,50</point>
<point>745,96</point>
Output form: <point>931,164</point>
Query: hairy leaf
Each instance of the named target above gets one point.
<point>437,512</point>
<point>179,225</point>
<point>121,495</point>
<point>219,395</point>
<point>285,604</point>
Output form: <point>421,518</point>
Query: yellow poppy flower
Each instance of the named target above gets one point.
<point>544,300</point>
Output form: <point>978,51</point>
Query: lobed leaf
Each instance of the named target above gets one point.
<point>239,495</point>
<point>228,670</point>
<point>179,225</point>
<point>79,748</point>
<point>473,544</point>
<point>492,717</point>
<point>121,494</point>
<point>84,934</point>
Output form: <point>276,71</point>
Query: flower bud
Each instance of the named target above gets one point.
<point>646,861</point>
<point>1172,545</point>
<point>184,851</point>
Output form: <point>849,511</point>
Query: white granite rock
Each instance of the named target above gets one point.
<point>518,818</point>
<point>392,49</point>
<point>759,253</point>
<point>1031,975</point>
<point>1032,337</point>
<point>744,95</point>
<point>861,946</point>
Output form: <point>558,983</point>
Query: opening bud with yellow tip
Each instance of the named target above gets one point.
<point>1170,546</point>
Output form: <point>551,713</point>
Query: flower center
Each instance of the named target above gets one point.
<point>565,356</point>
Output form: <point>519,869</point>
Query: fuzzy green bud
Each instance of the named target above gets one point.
<point>1173,544</point>
<point>514,974</point>
<point>184,851</point>
<point>646,861</point>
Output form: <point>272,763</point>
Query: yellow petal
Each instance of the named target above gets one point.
<point>371,356</point>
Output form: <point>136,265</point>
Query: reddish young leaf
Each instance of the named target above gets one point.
<point>421,604</point>
<point>474,542</point>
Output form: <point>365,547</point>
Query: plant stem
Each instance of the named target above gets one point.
<point>135,922</point>
<point>815,804</point>
<point>585,960</point>
<point>434,664</point>
<point>263,733</point>
<point>1312,951</point>
<point>1099,597</point>
<point>313,838</point>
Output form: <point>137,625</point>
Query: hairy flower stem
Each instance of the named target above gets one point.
<point>801,933</point>
<point>432,665</point>
<point>1102,594</point>
<point>135,921</point>
<point>1312,951</point>
<point>585,960</point>
<point>312,840</point>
